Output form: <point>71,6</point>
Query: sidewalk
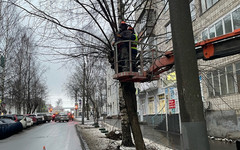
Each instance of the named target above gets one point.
<point>153,136</point>
<point>92,136</point>
<point>169,140</point>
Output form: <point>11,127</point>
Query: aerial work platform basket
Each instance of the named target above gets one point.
<point>151,62</point>
<point>147,66</point>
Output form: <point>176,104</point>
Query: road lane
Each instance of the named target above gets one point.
<point>54,136</point>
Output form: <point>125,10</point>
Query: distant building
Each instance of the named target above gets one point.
<point>112,106</point>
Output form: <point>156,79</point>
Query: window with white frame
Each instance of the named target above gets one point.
<point>223,81</point>
<point>236,19</point>
<point>168,31</point>
<point>237,65</point>
<point>151,105</point>
<point>147,20</point>
<point>193,10</point>
<point>167,5</point>
<point>206,4</point>
<point>225,25</point>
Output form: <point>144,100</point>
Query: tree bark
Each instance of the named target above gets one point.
<point>131,105</point>
<point>126,136</point>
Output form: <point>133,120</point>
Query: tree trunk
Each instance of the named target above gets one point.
<point>126,136</point>
<point>129,96</point>
<point>84,90</point>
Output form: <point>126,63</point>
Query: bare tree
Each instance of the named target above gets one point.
<point>100,22</point>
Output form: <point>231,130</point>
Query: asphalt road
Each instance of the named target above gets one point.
<point>54,136</point>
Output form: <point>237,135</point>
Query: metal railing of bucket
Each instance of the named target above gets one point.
<point>147,54</point>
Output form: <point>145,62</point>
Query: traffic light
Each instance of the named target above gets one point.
<point>76,106</point>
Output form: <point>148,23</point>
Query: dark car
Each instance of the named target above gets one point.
<point>7,121</point>
<point>61,117</point>
<point>41,116</point>
<point>9,127</point>
<point>11,116</point>
<point>48,117</point>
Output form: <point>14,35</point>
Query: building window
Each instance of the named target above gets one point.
<point>167,5</point>
<point>224,81</point>
<point>219,28</point>
<point>216,83</point>
<point>212,32</point>
<point>236,19</point>
<point>193,10</point>
<point>227,24</point>
<point>238,75</point>
<point>205,35</point>
<point>230,79</point>
<point>168,31</point>
<point>206,4</point>
<point>161,104</point>
<point>151,105</point>
<point>210,85</point>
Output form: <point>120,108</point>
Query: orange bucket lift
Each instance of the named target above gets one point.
<point>152,62</point>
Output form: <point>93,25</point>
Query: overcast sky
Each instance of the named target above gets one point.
<point>56,78</point>
<point>57,72</point>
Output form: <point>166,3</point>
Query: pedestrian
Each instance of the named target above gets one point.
<point>134,48</point>
<point>123,47</point>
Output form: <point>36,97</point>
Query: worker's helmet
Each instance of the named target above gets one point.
<point>123,26</point>
<point>123,22</point>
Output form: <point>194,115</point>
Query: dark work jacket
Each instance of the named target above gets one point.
<point>125,35</point>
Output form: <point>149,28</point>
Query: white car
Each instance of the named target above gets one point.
<point>29,121</point>
<point>24,122</point>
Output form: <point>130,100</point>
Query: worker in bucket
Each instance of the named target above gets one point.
<point>123,47</point>
<point>133,48</point>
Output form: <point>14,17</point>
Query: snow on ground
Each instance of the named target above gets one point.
<point>98,141</point>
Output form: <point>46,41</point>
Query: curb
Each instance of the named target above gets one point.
<point>84,145</point>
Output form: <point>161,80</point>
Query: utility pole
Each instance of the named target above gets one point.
<point>194,133</point>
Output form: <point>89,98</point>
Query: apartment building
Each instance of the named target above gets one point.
<point>219,79</point>
<point>112,107</point>
<point>158,103</point>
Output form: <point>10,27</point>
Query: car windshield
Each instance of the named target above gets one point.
<point>19,117</point>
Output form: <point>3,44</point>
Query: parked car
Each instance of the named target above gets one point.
<point>29,121</point>
<point>40,117</point>
<point>24,122</point>
<point>10,116</point>
<point>7,121</point>
<point>9,127</point>
<point>61,117</point>
<point>33,117</point>
<point>48,117</point>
